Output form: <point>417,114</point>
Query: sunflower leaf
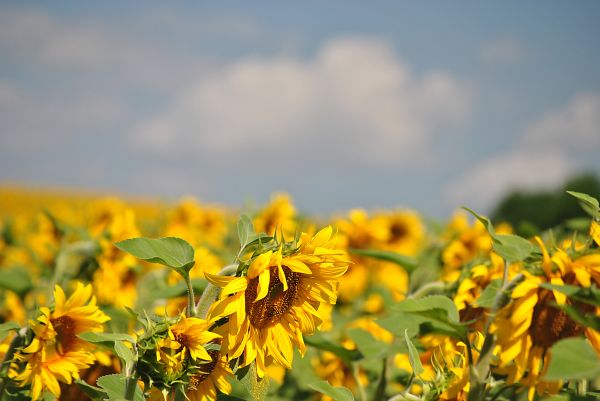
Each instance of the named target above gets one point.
<point>488,296</point>
<point>16,279</point>
<point>245,230</point>
<point>568,363</point>
<point>584,319</point>
<point>93,337</point>
<point>256,387</point>
<point>589,295</point>
<point>439,315</point>
<point>413,356</point>
<point>94,393</point>
<point>408,263</point>
<point>336,393</point>
<point>371,348</point>
<point>115,387</point>
<point>588,203</point>
<point>511,248</point>
<point>6,327</point>
<point>321,343</point>
<point>170,251</point>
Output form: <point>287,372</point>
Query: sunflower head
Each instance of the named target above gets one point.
<point>56,354</point>
<point>174,352</point>
<point>275,297</point>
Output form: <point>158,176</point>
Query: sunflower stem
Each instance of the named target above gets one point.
<point>436,286</point>
<point>582,388</point>
<point>211,292</point>
<point>362,395</point>
<point>191,309</point>
<point>130,387</point>
<point>505,274</point>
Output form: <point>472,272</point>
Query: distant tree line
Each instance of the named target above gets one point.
<point>531,212</point>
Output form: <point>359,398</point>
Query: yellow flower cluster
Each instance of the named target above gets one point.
<point>440,310</point>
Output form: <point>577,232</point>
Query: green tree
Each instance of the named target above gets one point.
<point>533,211</point>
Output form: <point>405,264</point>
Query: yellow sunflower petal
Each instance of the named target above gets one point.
<point>259,264</point>
<point>595,232</point>
<point>263,285</point>
<point>219,281</point>
<point>236,285</point>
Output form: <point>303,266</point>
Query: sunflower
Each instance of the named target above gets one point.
<point>56,353</point>
<point>183,341</point>
<point>528,327</point>
<point>277,215</point>
<point>277,301</point>
<point>404,231</point>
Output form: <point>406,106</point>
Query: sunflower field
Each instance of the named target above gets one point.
<point>107,299</point>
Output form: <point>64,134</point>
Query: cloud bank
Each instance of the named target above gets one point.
<point>543,158</point>
<point>355,99</point>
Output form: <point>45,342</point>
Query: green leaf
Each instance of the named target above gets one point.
<point>408,263</point>
<point>397,322</point>
<point>588,203</point>
<point>336,393</point>
<point>115,387</point>
<point>371,348</point>
<point>590,396</point>
<point>170,251</point>
<point>484,220</point>
<point>17,280</point>
<point>439,315</point>
<point>5,328</point>
<point>584,319</point>
<point>93,337</point>
<point>319,342</point>
<point>125,354</point>
<point>257,388</point>
<point>511,248</point>
<point>429,303</point>
<point>413,356</point>
<point>245,229</point>
<point>74,259</point>
<point>488,296</point>
<point>590,295</point>
<point>573,359</point>
<point>95,393</point>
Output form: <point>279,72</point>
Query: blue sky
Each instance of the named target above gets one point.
<point>342,104</point>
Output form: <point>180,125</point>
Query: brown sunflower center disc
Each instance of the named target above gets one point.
<point>276,303</point>
<point>65,332</point>
<point>550,324</point>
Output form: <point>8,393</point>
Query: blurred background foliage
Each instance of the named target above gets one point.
<point>531,212</point>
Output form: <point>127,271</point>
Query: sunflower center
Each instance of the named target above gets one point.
<point>181,339</point>
<point>276,303</point>
<point>65,332</point>
<point>550,324</point>
<point>398,231</point>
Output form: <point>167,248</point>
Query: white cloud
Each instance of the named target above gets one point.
<point>484,184</point>
<point>544,157</point>
<point>575,127</point>
<point>502,51</point>
<point>356,97</point>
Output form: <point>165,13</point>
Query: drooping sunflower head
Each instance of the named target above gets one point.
<point>275,298</point>
<point>174,352</point>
